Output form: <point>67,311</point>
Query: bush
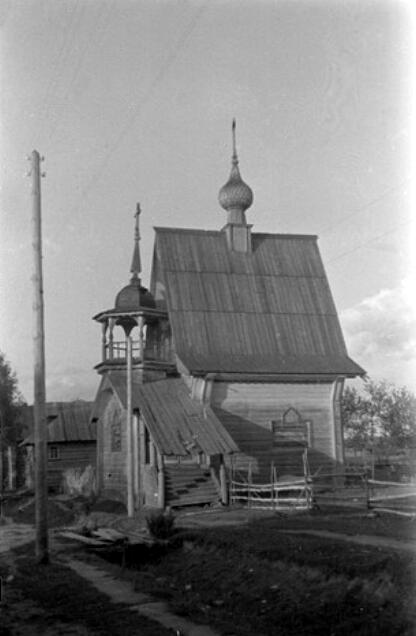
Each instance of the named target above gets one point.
<point>161,525</point>
<point>78,481</point>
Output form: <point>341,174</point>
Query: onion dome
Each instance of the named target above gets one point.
<point>134,296</point>
<point>235,196</point>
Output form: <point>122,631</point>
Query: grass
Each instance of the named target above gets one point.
<point>22,510</point>
<point>53,597</point>
<point>252,580</point>
<point>346,521</point>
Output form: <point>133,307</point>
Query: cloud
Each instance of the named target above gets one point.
<point>71,384</point>
<point>62,385</point>
<point>380,332</point>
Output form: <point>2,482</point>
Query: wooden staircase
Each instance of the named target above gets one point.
<point>189,485</point>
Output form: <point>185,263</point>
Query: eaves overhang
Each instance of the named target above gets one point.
<point>140,311</point>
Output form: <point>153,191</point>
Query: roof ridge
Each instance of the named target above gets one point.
<point>188,230</point>
<point>185,230</point>
<point>246,274</point>
<point>245,311</point>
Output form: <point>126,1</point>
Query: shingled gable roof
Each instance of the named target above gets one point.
<point>67,422</point>
<point>268,312</point>
<point>175,421</point>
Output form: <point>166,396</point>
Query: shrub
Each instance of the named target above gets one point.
<point>161,525</point>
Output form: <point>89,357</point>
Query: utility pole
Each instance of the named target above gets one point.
<point>41,489</point>
<point>129,427</point>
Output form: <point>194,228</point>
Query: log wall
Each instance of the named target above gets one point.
<point>71,455</point>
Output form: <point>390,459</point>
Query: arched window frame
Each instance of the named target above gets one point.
<point>292,432</point>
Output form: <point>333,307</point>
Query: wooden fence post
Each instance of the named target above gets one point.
<point>275,490</point>
<point>223,484</point>
<point>367,491</point>
<point>249,486</point>
<point>161,495</point>
<point>306,478</point>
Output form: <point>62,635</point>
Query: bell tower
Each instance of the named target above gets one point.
<point>135,322</point>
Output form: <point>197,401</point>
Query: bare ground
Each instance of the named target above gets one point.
<point>242,573</point>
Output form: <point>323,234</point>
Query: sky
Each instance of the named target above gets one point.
<point>132,101</point>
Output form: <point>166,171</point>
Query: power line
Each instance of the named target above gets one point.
<point>100,26</point>
<point>66,47</point>
<point>365,206</point>
<point>171,58</point>
<point>372,240</point>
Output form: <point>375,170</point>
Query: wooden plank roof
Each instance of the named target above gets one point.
<point>176,422</point>
<point>269,311</point>
<point>67,422</point>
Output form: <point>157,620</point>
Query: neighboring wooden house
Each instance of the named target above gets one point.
<point>237,359</point>
<point>71,442</point>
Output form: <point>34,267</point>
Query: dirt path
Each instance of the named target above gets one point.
<point>363,539</point>
<point>12,535</point>
<point>120,591</point>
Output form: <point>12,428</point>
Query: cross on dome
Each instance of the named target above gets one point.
<point>136,266</point>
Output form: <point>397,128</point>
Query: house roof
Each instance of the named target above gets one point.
<point>268,311</point>
<point>176,422</point>
<point>67,422</point>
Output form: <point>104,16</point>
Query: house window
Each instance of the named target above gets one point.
<point>53,452</point>
<point>291,430</point>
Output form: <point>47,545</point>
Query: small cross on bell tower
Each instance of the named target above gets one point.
<point>136,265</point>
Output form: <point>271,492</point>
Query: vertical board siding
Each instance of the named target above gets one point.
<point>247,409</point>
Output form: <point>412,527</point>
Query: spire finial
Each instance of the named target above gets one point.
<point>136,266</point>
<point>235,158</point>
<point>235,196</point>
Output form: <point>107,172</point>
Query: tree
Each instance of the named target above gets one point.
<point>382,417</point>
<point>10,403</point>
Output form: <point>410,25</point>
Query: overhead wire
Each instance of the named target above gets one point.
<point>364,207</point>
<point>59,62</point>
<point>101,23</point>
<point>359,210</point>
<point>371,240</point>
<point>169,61</point>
